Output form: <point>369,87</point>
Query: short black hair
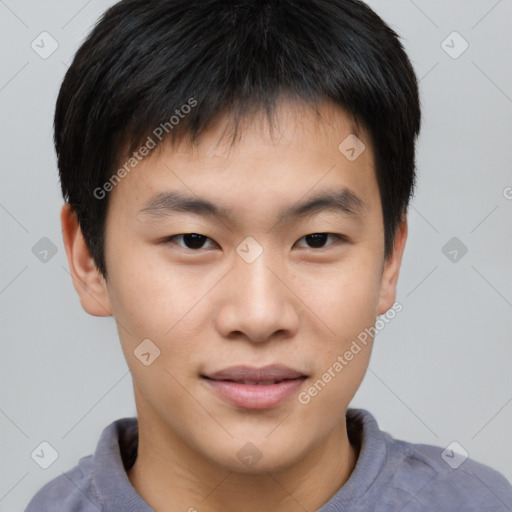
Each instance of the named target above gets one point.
<point>146,59</point>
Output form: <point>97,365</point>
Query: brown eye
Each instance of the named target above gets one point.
<point>191,241</point>
<point>318,240</point>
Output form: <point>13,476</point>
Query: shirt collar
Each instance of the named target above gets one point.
<point>117,450</point>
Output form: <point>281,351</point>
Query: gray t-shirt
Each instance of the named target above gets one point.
<point>390,475</point>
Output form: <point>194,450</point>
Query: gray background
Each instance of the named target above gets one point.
<point>440,371</point>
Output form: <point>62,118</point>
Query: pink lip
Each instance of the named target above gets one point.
<point>258,394</point>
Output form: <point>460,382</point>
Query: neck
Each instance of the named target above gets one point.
<point>170,476</point>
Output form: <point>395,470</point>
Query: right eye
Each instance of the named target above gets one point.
<point>192,241</point>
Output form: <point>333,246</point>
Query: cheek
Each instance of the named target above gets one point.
<point>346,302</point>
<point>147,294</point>
<point>348,307</point>
<point>158,302</point>
<point>345,297</point>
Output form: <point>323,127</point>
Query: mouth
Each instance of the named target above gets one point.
<point>255,388</point>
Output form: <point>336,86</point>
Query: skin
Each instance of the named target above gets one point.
<point>207,309</point>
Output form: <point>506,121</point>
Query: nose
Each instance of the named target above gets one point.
<point>258,303</point>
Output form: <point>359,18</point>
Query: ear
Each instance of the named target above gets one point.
<point>391,270</point>
<point>87,279</point>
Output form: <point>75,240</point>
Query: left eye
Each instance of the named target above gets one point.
<point>318,240</point>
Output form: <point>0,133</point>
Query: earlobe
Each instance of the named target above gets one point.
<point>392,269</point>
<point>87,279</point>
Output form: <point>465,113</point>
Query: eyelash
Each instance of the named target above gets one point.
<point>340,238</point>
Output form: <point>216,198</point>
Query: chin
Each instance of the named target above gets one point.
<point>256,454</point>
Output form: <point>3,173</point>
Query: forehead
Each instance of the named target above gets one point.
<point>301,150</point>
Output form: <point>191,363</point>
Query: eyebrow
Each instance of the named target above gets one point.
<point>342,201</point>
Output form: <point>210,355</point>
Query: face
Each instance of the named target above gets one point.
<point>221,277</point>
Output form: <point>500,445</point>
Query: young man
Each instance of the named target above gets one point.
<point>236,177</point>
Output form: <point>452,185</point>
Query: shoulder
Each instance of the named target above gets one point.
<point>98,481</point>
<point>73,490</point>
<point>393,474</point>
<point>432,475</point>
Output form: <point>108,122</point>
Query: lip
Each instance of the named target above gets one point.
<point>248,387</point>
